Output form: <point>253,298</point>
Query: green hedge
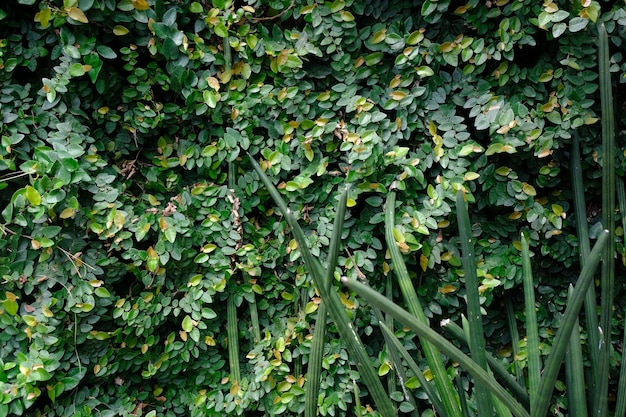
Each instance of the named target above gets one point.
<point>122,241</point>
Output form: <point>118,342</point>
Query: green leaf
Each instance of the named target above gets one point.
<point>94,61</point>
<point>102,292</point>
<point>11,306</point>
<point>211,97</point>
<point>558,29</point>
<point>196,7</point>
<point>221,30</point>
<point>106,52</point>
<point>76,70</point>
<point>187,324</point>
<point>577,24</point>
<point>170,49</point>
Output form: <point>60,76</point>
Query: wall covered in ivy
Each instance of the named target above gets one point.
<point>130,215</point>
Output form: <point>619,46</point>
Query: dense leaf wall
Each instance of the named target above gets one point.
<point>120,239</point>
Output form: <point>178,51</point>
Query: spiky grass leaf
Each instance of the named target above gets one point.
<point>620,406</point>
<point>575,373</point>
<point>431,393</point>
<point>232,324</point>
<point>319,334</point>
<point>582,229</point>
<point>532,331</point>
<point>608,219</point>
<point>335,308</point>
<point>424,331</point>
<point>561,340</point>
<point>500,372</point>
<point>233,339</point>
<point>514,332</point>
<point>477,342</point>
<point>445,387</point>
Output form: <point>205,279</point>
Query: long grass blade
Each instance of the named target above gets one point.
<point>514,332</point>
<point>254,318</point>
<point>444,385</point>
<point>357,399</point>
<point>335,308</point>
<point>620,406</point>
<point>575,373</point>
<point>532,331</point>
<point>232,324</point>
<point>389,322</point>
<point>319,333</point>
<point>590,304</point>
<point>561,340</point>
<point>233,339</point>
<point>608,216</point>
<point>316,357</point>
<point>431,393</point>
<point>424,331</point>
<point>500,372</point>
<point>477,342</point>
<point>398,368</point>
<point>462,396</point>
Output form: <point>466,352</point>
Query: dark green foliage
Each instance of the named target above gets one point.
<point>122,242</point>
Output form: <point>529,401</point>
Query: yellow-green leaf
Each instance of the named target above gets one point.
<point>504,171</point>
<point>470,176</point>
<point>346,16</point>
<point>77,14</point>
<point>310,307</point>
<point>308,9</point>
<point>529,189</point>
<point>140,4</point>
<point>398,95</point>
<point>379,36</point>
<point>67,213</point>
<point>415,37</point>
<point>43,17</point>
<point>119,30</point>
<point>384,369</point>
<point>47,312</point>
<point>33,196</point>
<point>30,321</point>
<point>398,235</point>
<point>423,262</point>
<point>11,306</point>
